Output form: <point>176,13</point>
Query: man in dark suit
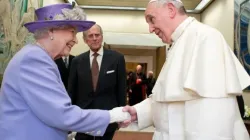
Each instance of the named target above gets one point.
<point>98,79</point>
<point>63,65</point>
<point>150,82</point>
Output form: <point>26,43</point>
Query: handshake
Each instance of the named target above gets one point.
<point>123,115</point>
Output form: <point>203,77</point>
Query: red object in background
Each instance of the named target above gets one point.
<point>138,81</point>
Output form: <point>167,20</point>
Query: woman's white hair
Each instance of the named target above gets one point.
<point>177,3</point>
<point>76,13</point>
<point>44,32</point>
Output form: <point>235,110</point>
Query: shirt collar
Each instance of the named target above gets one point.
<point>63,57</point>
<point>100,52</point>
<point>181,28</point>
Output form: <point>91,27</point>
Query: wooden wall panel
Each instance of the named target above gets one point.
<point>160,59</point>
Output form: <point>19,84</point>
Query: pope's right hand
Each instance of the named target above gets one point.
<point>117,115</point>
<point>132,111</point>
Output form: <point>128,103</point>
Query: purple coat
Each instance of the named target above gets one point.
<point>34,104</point>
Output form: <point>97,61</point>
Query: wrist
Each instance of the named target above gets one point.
<point>117,115</point>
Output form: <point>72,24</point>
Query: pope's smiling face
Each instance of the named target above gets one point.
<point>159,18</point>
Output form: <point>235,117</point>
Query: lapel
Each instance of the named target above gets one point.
<point>85,68</point>
<point>104,66</point>
<point>70,59</point>
<point>61,64</point>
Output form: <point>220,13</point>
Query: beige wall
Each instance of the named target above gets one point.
<point>116,21</point>
<point>246,97</point>
<point>112,21</point>
<point>49,2</point>
<point>220,15</point>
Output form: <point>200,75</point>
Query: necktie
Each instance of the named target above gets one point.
<point>66,62</point>
<point>95,71</point>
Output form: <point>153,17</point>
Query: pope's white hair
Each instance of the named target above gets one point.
<point>177,3</point>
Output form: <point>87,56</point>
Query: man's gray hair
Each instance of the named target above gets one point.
<point>177,3</point>
<point>85,32</point>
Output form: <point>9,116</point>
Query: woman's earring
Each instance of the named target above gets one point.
<point>51,38</point>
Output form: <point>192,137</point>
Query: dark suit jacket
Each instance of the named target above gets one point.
<point>241,105</point>
<point>111,87</point>
<point>150,85</point>
<point>64,72</point>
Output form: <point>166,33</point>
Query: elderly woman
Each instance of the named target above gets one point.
<point>34,104</point>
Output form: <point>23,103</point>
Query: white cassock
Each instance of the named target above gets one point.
<point>194,97</point>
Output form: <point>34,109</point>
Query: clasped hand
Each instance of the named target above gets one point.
<point>123,115</point>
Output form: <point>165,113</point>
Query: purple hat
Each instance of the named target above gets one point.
<point>58,15</point>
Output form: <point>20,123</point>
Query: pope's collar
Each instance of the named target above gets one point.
<point>181,28</point>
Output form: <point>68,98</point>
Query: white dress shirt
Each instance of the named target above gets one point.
<point>99,57</point>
